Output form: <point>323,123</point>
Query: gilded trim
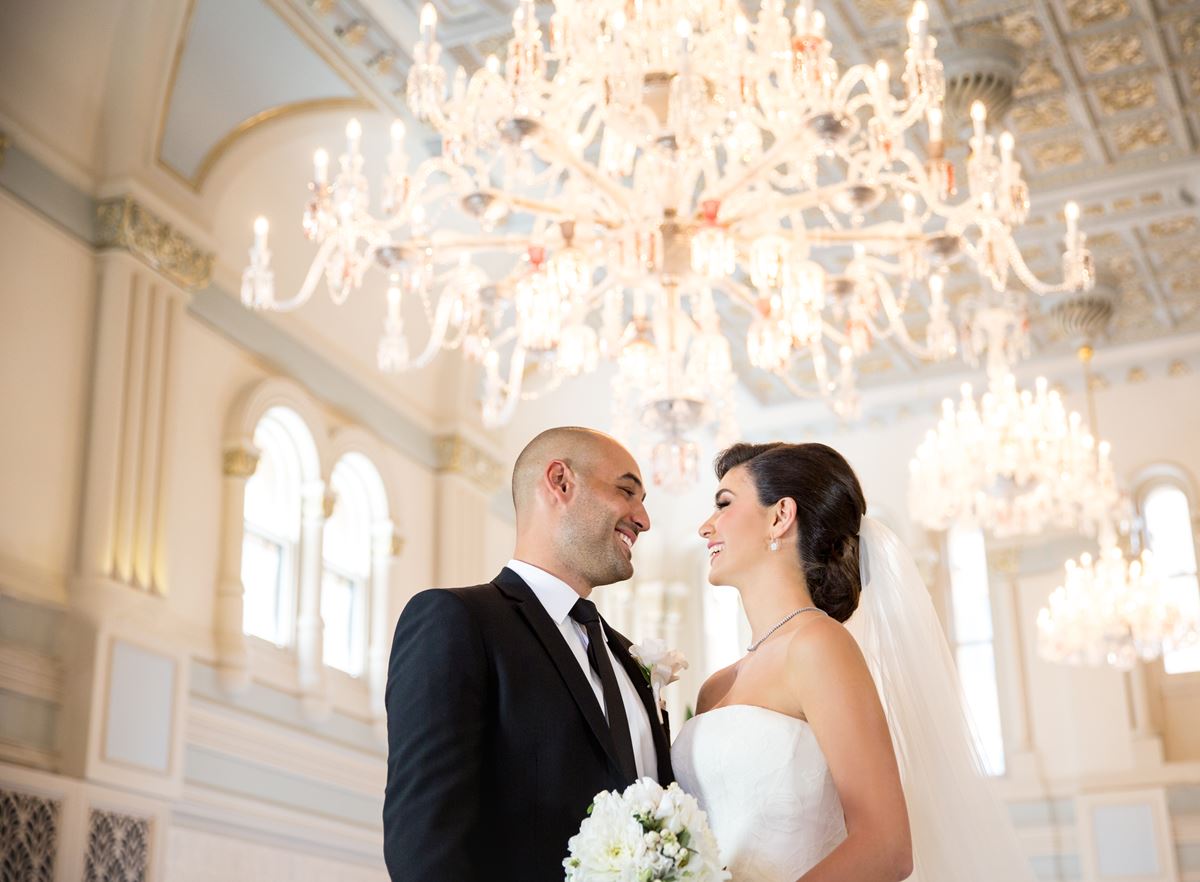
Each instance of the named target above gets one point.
<point>457,456</point>
<point>196,181</point>
<point>282,111</point>
<point>239,462</point>
<point>126,224</point>
<point>176,60</point>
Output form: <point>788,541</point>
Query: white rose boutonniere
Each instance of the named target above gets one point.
<point>660,666</point>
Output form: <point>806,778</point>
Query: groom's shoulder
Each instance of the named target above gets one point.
<point>470,598</point>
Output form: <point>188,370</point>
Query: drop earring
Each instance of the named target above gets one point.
<point>774,546</point>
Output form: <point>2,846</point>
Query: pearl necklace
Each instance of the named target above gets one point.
<point>757,643</point>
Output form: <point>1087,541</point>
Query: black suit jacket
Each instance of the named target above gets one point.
<point>496,743</point>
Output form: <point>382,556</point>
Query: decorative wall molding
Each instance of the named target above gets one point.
<point>30,673</point>
<point>137,321</point>
<point>118,848</point>
<point>29,846</point>
<point>239,462</point>
<point>458,456</point>
<point>127,224</point>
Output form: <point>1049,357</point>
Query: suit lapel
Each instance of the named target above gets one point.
<point>658,730</point>
<point>543,627</point>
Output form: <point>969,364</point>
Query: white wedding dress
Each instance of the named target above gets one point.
<point>764,783</point>
<point>766,787</point>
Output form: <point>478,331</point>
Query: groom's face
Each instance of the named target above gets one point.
<point>607,512</point>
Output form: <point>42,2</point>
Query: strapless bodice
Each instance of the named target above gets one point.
<point>764,783</point>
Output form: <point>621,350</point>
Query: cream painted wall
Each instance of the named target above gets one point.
<point>54,62</point>
<point>46,300</point>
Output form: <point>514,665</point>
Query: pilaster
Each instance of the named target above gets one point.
<point>467,476</point>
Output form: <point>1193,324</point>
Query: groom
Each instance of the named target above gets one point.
<point>511,704</point>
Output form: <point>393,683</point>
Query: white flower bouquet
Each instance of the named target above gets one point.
<point>646,834</point>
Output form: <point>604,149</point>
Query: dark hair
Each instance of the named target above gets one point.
<point>829,509</point>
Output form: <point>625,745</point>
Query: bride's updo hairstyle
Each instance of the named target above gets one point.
<point>829,508</point>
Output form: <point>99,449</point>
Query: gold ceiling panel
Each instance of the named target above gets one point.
<point>1184,284</point>
<point>1022,27</point>
<point>1057,154</point>
<point>875,12</point>
<point>497,45</point>
<point>1177,256</point>
<point>1047,113</point>
<point>1175,226</point>
<point>1142,135</point>
<point>1102,243</point>
<point>1113,52</point>
<point>1129,93</point>
<point>1122,265</point>
<point>1038,76</point>
<point>1188,29</point>
<point>1085,13</point>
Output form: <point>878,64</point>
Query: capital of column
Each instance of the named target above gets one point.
<point>126,224</point>
<point>458,456</point>
<point>240,461</point>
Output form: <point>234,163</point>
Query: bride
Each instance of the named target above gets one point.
<point>836,749</point>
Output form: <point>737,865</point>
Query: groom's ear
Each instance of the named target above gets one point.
<point>559,479</point>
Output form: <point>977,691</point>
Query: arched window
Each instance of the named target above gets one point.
<point>272,525</point>
<point>1170,536</point>
<point>360,504</point>
<point>973,641</point>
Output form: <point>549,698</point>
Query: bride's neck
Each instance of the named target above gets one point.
<point>772,594</point>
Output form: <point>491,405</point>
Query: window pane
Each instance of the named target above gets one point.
<point>262,570</point>
<point>1186,591</point>
<point>970,600</point>
<point>341,599</point>
<point>722,618</point>
<point>1169,525</point>
<point>977,670</point>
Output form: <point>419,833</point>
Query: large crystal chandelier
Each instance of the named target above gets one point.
<point>1113,611</point>
<point>646,164</point>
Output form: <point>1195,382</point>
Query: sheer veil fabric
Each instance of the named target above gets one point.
<point>960,830</point>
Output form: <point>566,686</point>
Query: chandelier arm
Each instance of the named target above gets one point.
<point>739,294</point>
<point>896,321</point>
<point>437,334</point>
<point>565,156</point>
<point>311,280</point>
<point>1031,281</point>
<point>768,160</point>
<point>510,391</point>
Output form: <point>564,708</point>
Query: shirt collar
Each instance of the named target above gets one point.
<point>554,594</point>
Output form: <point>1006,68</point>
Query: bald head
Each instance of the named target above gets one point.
<point>576,446</point>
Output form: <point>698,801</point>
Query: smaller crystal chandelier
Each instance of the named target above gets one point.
<point>1112,611</point>
<point>1014,463</point>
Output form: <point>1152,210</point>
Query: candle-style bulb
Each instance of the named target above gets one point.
<point>321,165</point>
<point>428,22</point>
<point>353,130</point>
<point>397,132</point>
<point>261,227</point>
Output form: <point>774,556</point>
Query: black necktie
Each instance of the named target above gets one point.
<point>584,612</point>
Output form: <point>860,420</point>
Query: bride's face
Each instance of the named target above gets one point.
<point>738,530</point>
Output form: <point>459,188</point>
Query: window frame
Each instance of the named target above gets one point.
<point>951,625</point>
<point>1152,479</point>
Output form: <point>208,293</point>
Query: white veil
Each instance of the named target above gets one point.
<point>960,831</point>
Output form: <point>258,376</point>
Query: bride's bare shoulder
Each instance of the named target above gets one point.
<point>821,642</point>
<point>715,688</point>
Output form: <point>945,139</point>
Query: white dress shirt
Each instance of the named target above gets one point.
<point>557,597</point>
